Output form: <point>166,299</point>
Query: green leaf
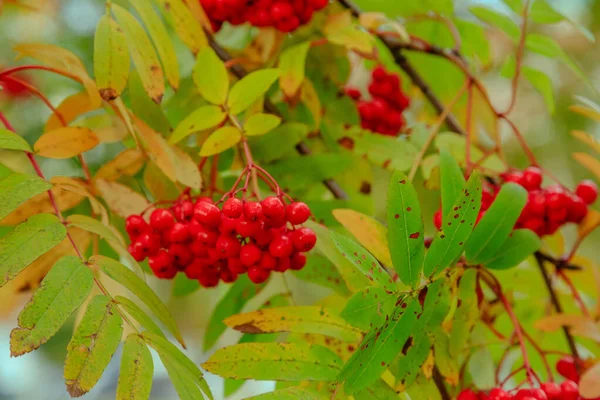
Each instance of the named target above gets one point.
<point>137,368</point>
<point>520,244</point>
<point>497,223</point>
<point>543,13</point>
<point>162,40</point>
<point>274,361</point>
<point>498,20</point>
<point>280,141</point>
<point>184,383</point>
<point>386,152</point>
<point>548,47</point>
<point>353,39</point>
<point>111,59</point>
<point>205,117</point>
<point>379,348</point>
<point>186,26</point>
<point>232,303</point>
<point>246,91</point>
<point>16,189</point>
<point>123,275</point>
<point>222,139</point>
<point>466,314</point>
<point>259,124</point>
<point>542,83</point>
<point>452,181</point>
<point>369,307</point>
<point>93,344</point>
<point>211,77</point>
<point>172,355</point>
<point>514,5</point>
<point>363,261</point>
<point>28,241</point>
<point>405,229</point>
<point>292,63</point>
<point>354,279</point>
<point>322,272</point>
<point>290,393</point>
<point>182,286</point>
<point>315,168</point>
<point>12,141</point>
<point>142,52</point>
<point>94,226</point>
<point>299,319</point>
<point>456,228</point>
<point>62,291</point>
<point>139,315</point>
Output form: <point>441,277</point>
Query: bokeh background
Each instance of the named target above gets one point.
<point>71,24</point>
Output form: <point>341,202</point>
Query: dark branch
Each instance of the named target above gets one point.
<point>301,147</point>
<point>439,382</point>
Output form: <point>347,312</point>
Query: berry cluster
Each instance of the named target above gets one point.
<point>547,209</point>
<point>211,244</point>
<point>383,113</point>
<point>284,15</point>
<point>567,390</point>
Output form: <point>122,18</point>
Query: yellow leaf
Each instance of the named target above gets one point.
<point>353,39</point>
<point>372,20</point>
<point>142,52</point>
<point>111,59</point>
<point>369,233</point>
<point>311,100</point>
<point>70,109</point>
<point>555,243</point>
<point>587,139</point>
<point>63,60</point>
<point>590,162</point>
<point>188,172</point>
<point>158,149</point>
<point>428,365</point>
<point>80,187</point>
<point>589,224</point>
<point>199,14</point>
<point>337,22</point>
<point>186,26</point>
<point>221,140</point>
<point>211,77</point>
<point>127,163</point>
<point>65,142</point>
<point>586,112</point>
<point>262,49</point>
<point>260,124</point>
<point>162,40</point>
<point>121,199</point>
<point>291,64</point>
<point>589,385</point>
<point>108,128</point>
<point>41,204</point>
<point>205,117</point>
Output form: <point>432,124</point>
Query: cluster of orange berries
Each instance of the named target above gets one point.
<point>211,244</point>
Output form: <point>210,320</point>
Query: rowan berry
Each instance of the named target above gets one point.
<point>233,208</point>
<point>207,214</point>
<point>587,191</point>
<point>281,246</point>
<point>250,254</point>
<point>297,213</point>
<point>257,274</point>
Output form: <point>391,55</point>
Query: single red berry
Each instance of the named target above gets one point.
<point>207,237</point>
<point>297,213</point>
<point>185,211</point>
<point>198,249</point>
<point>304,239</point>
<point>250,254</point>
<point>379,73</point>
<point>235,265</point>
<point>366,111</point>
<point>577,210</point>
<point>165,239</point>
<point>558,215</point>
<point>499,394</point>
<point>437,219</point>
<point>162,264</point>
<point>149,242</point>
<point>281,246</point>
<point>297,261</point>
<point>556,198</point>
<point>276,222</point>
<point>247,228</point>
<point>196,268</point>
<point>207,214</point>
<point>536,225</point>
<point>566,368</point>
<point>353,93</point>
<point>281,11</point>
<point>552,390</point>
<point>467,394</point>
<point>263,237</point>
<point>258,275</point>
<point>512,176</point>
<point>208,280</point>
<point>161,219</point>
<point>533,394</point>
<point>588,191</point>
<point>532,178</point>
<point>137,252</point>
<point>233,208</point>
<point>318,4</point>
<point>166,273</point>
<point>180,254</point>
<point>135,226</point>
<point>195,228</point>
<point>283,264</point>
<point>570,390</point>
<point>204,199</point>
<point>267,261</point>
<point>179,233</point>
<point>536,203</point>
<point>253,211</point>
<point>273,208</point>
<point>228,225</point>
<point>228,246</point>
<point>228,276</point>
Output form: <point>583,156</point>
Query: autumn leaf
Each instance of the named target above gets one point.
<point>65,142</point>
<point>121,199</point>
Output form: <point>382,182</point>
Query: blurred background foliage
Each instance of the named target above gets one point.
<point>546,125</point>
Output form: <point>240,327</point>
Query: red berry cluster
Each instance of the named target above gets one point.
<point>285,15</point>
<point>210,244</point>
<point>547,209</point>
<point>383,113</point>
<point>567,390</point>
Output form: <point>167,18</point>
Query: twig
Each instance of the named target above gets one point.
<point>439,382</point>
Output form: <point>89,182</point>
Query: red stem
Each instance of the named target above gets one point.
<point>11,71</point>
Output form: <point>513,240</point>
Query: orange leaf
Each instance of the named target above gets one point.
<point>589,224</point>
<point>121,199</point>
<point>65,142</point>
<point>580,325</point>
<point>588,161</point>
<point>589,385</point>
<point>127,163</point>
<point>71,108</point>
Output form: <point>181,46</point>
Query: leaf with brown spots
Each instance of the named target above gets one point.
<point>186,26</point>
<point>456,229</point>
<point>405,229</point>
<point>370,307</point>
<point>111,59</point>
<point>364,262</point>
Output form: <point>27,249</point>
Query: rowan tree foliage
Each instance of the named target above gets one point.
<point>356,153</point>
